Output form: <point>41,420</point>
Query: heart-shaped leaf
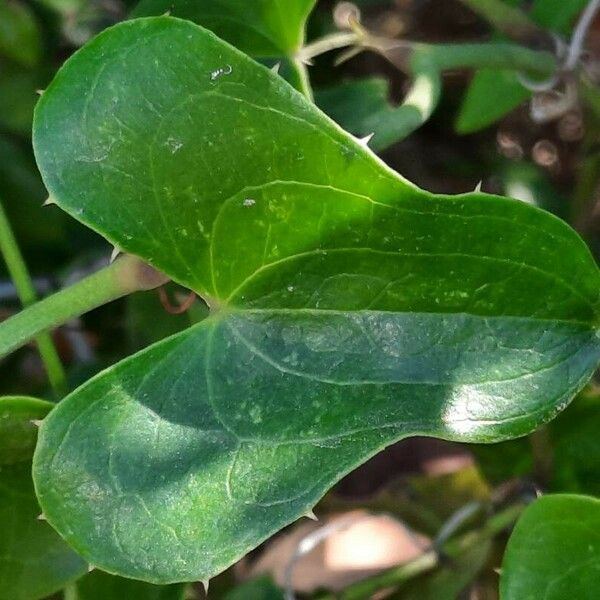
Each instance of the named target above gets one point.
<point>34,561</point>
<point>349,308</point>
<point>554,551</point>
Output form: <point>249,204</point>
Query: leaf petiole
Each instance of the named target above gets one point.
<point>125,276</point>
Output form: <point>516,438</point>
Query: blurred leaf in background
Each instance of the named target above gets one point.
<point>572,445</point>
<point>261,588</point>
<point>19,33</point>
<point>495,92</point>
<point>98,585</point>
<point>362,107</point>
<point>554,551</point>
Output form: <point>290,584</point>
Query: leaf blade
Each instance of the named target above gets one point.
<point>553,551</point>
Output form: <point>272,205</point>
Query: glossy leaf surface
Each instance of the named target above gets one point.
<point>554,551</point>
<point>34,560</point>
<point>350,308</point>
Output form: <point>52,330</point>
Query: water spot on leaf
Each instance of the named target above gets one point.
<point>173,144</point>
<point>249,202</point>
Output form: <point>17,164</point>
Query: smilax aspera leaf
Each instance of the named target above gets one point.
<point>349,309</point>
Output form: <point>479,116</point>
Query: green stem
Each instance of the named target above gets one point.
<point>70,592</point>
<point>426,62</point>
<point>125,276</point>
<point>412,57</point>
<point>543,455</point>
<point>398,576</point>
<point>22,280</point>
<point>302,78</point>
<point>334,41</point>
<point>505,18</point>
<point>496,55</point>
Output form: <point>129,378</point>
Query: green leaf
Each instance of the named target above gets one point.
<point>557,15</point>
<point>18,435</point>
<point>18,96</point>
<point>362,108</point>
<point>271,31</point>
<point>262,28</point>
<point>574,438</point>
<point>493,93</point>
<point>261,588</point>
<point>34,560</point>
<point>554,551</point>
<point>98,585</point>
<point>19,33</point>
<point>22,195</point>
<point>350,309</point>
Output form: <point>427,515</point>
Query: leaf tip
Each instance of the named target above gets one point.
<point>478,186</point>
<point>275,68</point>
<point>49,201</point>
<point>40,92</point>
<point>311,515</point>
<point>41,517</point>
<point>205,583</point>
<point>36,422</point>
<point>90,568</point>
